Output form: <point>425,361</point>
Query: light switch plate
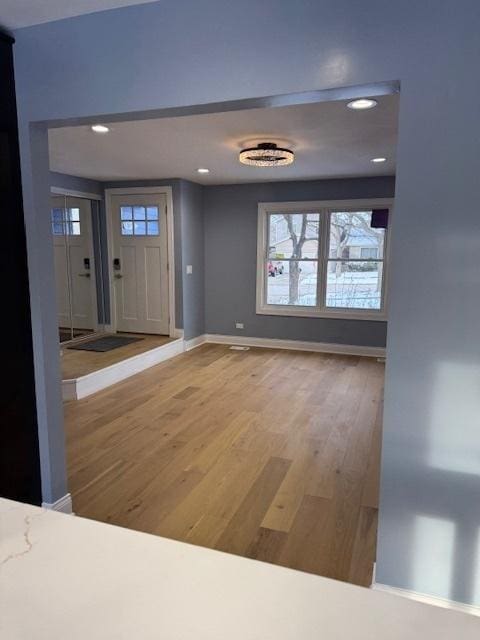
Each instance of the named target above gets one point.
<point>189,269</point>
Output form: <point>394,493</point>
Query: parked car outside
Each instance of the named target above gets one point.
<point>275,268</point>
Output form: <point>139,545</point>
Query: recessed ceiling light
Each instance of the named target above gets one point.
<point>100,128</point>
<point>362,103</point>
<point>202,170</point>
<point>378,160</point>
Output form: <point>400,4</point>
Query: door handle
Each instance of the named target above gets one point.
<point>118,276</point>
<point>84,275</point>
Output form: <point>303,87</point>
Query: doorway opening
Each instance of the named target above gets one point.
<point>272,452</point>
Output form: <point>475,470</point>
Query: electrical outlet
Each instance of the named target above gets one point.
<point>239,325</point>
<point>189,269</point>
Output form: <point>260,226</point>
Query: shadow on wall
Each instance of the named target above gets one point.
<point>436,506</point>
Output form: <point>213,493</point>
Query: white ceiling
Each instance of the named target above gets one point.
<point>15,14</point>
<point>329,140</point>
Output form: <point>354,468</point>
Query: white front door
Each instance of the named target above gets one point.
<point>140,264</point>
<point>74,262</point>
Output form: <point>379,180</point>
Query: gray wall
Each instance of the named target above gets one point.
<point>217,51</point>
<point>192,240</point>
<point>231,257</point>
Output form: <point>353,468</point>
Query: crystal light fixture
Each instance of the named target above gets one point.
<point>266,154</point>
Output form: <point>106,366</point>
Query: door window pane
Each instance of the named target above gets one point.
<point>293,235</point>
<point>291,282</point>
<point>57,222</point>
<point>74,228</point>
<point>152,213</point>
<point>354,284</point>
<point>127,228</point>
<point>126,213</point>
<point>57,215</point>
<point>152,228</point>
<point>139,228</point>
<point>139,213</point>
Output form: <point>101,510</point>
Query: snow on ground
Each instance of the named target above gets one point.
<point>351,289</point>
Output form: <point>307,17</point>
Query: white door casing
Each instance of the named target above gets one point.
<point>140,262</point>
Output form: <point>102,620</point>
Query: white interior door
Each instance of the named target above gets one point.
<point>140,263</point>
<point>74,262</point>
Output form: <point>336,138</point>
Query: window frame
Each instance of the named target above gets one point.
<point>324,208</point>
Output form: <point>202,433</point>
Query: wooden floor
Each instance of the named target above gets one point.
<point>77,363</point>
<point>268,454</point>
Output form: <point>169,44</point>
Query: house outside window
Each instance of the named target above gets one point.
<point>322,259</point>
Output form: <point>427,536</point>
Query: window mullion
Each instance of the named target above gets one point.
<point>266,257</point>
<point>323,259</point>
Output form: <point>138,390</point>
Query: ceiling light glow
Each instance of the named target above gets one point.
<point>203,170</point>
<point>377,160</point>
<point>100,128</point>
<point>362,103</point>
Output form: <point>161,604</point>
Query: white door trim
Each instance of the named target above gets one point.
<point>60,191</point>
<point>168,193</point>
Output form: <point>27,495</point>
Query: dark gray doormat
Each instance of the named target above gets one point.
<point>107,343</point>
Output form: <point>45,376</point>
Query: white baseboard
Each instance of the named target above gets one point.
<point>177,333</point>
<point>77,388</point>
<point>295,345</point>
<point>195,342</point>
<point>63,504</point>
<point>69,389</point>
<point>427,599</point>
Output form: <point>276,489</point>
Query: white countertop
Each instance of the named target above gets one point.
<point>64,577</point>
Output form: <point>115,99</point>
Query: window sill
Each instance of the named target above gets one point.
<point>304,312</point>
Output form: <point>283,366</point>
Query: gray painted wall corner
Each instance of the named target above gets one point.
<point>193,254</point>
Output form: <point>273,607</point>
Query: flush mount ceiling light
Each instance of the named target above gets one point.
<point>266,154</point>
<point>377,160</point>
<point>99,128</point>
<point>203,170</point>
<point>362,103</point>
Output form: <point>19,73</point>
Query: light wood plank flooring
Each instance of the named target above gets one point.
<point>267,454</point>
<point>77,363</point>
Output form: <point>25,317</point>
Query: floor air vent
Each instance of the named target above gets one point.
<point>236,347</point>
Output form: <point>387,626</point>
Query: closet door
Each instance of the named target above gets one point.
<point>81,264</point>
